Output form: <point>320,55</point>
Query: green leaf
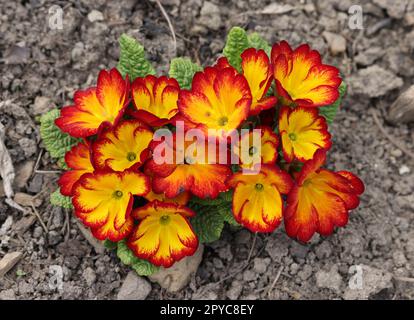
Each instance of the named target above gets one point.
<point>108,244</point>
<point>256,41</point>
<point>227,215</point>
<point>329,112</point>
<point>207,201</point>
<point>144,267</point>
<point>132,59</point>
<point>183,70</point>
<point>62,164</point>
<point>226,196</point>
<point>55,141</point>
<point>236,43</point>
<point>127,257</point>
<point>59,200</point>
<point>208,224</point>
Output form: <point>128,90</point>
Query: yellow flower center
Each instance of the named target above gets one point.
<point>223,121</point>
<point>259,187</point>
<point>131,156</point>
<point>164,220</point>
<point>252,150</point>
<point>118,194</point>
<point>292,136</point>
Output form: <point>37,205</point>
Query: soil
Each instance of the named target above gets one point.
<point>41,68</point>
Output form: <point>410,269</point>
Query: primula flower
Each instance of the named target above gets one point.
<point>103,201</point>
<point>219,99</point>
<point>191,173</point>
<point>269,142</point>
<point>100,105</point>
<point>257,201</point>
<point>164,235</point>
<point>155,99</point>
<point>122,147</point>
<point>303,132</point>
<point>181,199</point>
<point>320,199</point>
<point>301,78</point>
<point>78,159</point>
<point>258,73</point>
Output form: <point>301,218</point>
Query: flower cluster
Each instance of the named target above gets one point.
<point>121,190</point>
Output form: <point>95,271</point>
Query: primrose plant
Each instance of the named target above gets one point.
<point>155,165</point>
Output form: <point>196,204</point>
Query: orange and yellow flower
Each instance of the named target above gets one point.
<point>302,132</point>
<point>124,146</point>
<point>155,99</point>
<point>258,73</point>
<point>257,200</point>
<point>103,201</point>
<point>97,106</point>
<point>187,171</point>
<point>301,78</point>
<point>164,235</point>
<point>181,199</point>
<point>265,151</point>
<point>320,199</point>
<point>78,159</point>
<point>219,99</point>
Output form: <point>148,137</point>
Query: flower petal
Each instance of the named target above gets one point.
<point>103,201</point>
<point>202,180</point>
<point>219,99</point>
<point>257,71</point>
<point>301,78</point>
<point>164,235</point>
<point>320,200</point>
<point>94,107</point>
<point>257,202</point>
<point>155,99</point>
<point>303,132</point>
<point>77,159</point>
<point>124,146</point>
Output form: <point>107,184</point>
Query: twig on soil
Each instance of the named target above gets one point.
<point>272,285</point>
<point>39,157</point>
<point>47,171</point>
<point>165,14</point>
<point>252,247</point>
<point>6,165</point>
<point>66,225</point>
<point>39,218</point>
<point>389,137</point>
<point>404,279</point>
<point>279,272</point>
<point>14,205</point>
<point>40,193</point>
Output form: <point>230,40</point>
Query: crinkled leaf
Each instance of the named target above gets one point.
<point>256,41</point>
<point>183,70</point>
<point>236,43</point>
<point>57,199</point>
<point>56,142</point>
<point>127,257</point>
<point>223,197</point>
<point>144,267</point>
<point>207,201</point>
<point>329,112</point>
<point>226,196</point>
<point>208,224</point>
<point>132,59</point>
<point>227,215</point>
<point>62,164</point>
